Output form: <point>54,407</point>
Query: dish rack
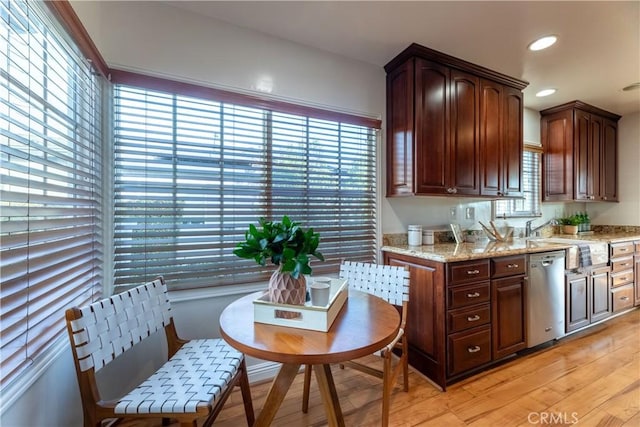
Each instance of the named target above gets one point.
<point>496,234</point>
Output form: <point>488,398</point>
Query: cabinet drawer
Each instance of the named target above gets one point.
<point>469,349</point>
<point>508,266</point>
<point>621,278</point>
<point>622,298</point>
<point>620,249</point>
<point>621,264</point>
<point>461,319</point>
<point>462,296</point>
<point>470,271</point>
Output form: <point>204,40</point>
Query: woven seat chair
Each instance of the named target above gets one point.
<point>390,283</point>
<point>192,385</point>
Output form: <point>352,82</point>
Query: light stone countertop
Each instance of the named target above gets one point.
<point>451,252</point>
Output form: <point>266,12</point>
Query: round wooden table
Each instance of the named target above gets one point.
<point>365,324</point>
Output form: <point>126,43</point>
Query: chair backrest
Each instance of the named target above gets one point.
<point>388,282</point>
<point>107,328</point>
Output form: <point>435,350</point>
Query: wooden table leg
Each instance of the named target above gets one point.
<point>329,395</point>
<point>278,390</point>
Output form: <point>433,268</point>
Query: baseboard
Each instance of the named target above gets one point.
<point>260,372</point>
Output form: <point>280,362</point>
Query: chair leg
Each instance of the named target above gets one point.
<point>245,389</point>
<point>306,387</point>
<point>405,364</point>
<point>386,390</point>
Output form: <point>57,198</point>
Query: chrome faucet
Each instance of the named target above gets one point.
<point>528,231</point>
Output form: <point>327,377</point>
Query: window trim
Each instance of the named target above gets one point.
<point>147,81</point>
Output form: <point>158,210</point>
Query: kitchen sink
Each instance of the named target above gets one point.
<point>599,250</point>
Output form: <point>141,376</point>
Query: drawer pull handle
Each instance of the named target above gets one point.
<point>473,271</point>
<point>623,249</point>
<point>624,298</point>
<point>473,318</point>
<point>624,278</point>
<point>624,264</point>
<point>474,349</point>
<point>473,295</point>
<point>512,266</point>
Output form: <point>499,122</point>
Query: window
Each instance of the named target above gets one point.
<point>50,147</point>
<point>192,173</point>
<point>529,206</point>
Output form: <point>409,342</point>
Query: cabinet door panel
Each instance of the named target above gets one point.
<point>595,166</point>
<point>491,139</point>
<point>600,300</point>
<point>582,154</point>
<point>513,143</point>
<point>578,302</point>
<point>431,127</point>
<point>637,278</point>
<point>400,131</point>
<point>508,305</point>
<point>465,150</point>
<point>609,162</point>
<point>557,143</point>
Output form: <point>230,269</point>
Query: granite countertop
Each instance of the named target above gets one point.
<point>451,252</point>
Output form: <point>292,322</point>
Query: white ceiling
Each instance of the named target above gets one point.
<point>597,54</point>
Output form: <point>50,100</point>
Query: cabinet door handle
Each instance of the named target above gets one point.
<point>473,295</point>
<point>474,349</point>
<point>473,272</point>
<point>512,265</point>
<point>624,298</point>
<point>473,318</point>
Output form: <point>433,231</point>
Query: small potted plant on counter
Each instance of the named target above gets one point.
<point>570,224</point>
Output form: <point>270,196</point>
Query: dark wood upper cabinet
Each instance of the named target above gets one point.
<point>431,128</point>
<point>453,127</point>
<point>580,153</point>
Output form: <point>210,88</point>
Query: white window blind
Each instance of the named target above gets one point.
<point>192,174</point>
<point>50,146</point>
<point>529,205</point>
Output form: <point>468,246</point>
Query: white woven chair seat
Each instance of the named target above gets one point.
<point>194,377</point>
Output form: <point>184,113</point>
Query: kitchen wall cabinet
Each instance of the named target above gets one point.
<point>579,153</point>
<point>453,128</point>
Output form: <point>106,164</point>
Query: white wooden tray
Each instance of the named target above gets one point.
<point>303,316</point>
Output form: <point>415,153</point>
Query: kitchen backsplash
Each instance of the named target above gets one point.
<point>400,239</point>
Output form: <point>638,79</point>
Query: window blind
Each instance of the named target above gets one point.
<point>529,205</point>
<point>192,174</point>
<point>50,146</point>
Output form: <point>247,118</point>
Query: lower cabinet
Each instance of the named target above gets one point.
<point>636,264</point>
<point>587,297</point>
<point>508,302</point>
<point>463,315</point>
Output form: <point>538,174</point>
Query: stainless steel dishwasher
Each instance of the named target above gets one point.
<point>545,298</point>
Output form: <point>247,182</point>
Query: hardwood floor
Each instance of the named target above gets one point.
<point>589,379</point>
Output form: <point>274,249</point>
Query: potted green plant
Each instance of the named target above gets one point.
<point>570,224</point>
<point>288,246</point>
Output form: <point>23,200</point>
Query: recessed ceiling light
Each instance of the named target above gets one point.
<point>543,43</point>
<point>545,92</point>
<point>632,86</point>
